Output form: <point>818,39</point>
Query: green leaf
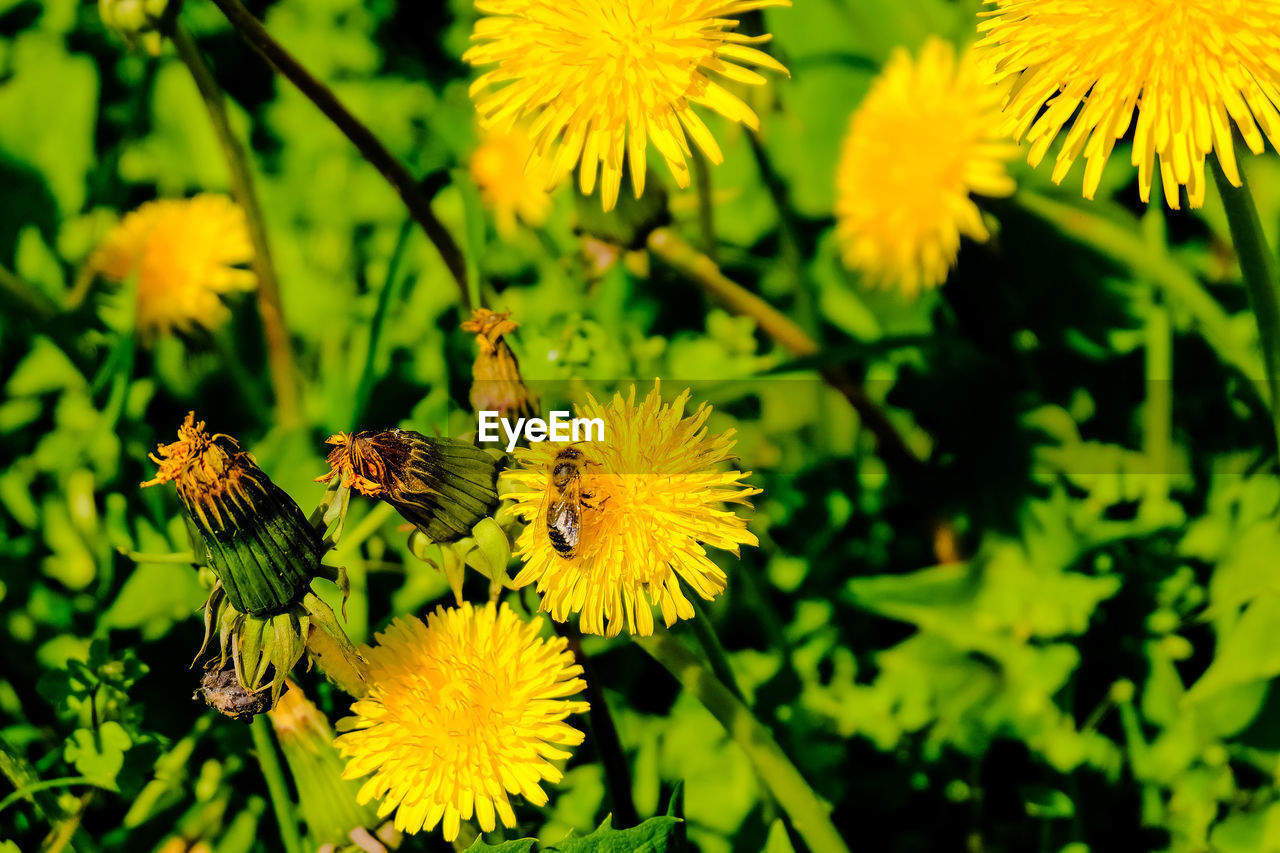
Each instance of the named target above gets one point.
<point>155,596</point>
<point>778,841</point>
<point>520,845</point>
<point>655,835</point>
<point>61,88</point>
<point>99,758</point>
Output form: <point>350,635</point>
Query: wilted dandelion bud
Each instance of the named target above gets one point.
<point>328,802</point>
<point>139,20</point>
<point>220,689</point>
<point>497,385</point>
<point>252,534</point>
<point>442,486</point>
<point>262,550</point>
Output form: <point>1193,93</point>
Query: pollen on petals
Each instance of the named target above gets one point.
<point>597,82</point>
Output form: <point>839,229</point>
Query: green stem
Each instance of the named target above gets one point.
<point>706,209</point>
<point>270,307</point>
<point>1258,264</point>
<point>364,389</point>
<point>277,789</point>
<point>605,735</point>
<point>26,297</point>
<point>1158,412</point>
<point>44,785</point>
<point>370,147</point>
<point>809,814</point>
<point>714,649</point>
<point>788,239</point>
<point>186,557</point>
<point>673,251</point>
<point>1126,247</point>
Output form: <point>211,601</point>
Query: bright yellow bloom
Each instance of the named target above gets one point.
<point>599,81</point>
<point>462,711</point>
<point>510,183</point>
<point>653,497</point>
<point>1189,67</point>
<point>924,138</point>
<point>186,254</point>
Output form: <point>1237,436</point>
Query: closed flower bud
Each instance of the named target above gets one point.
<point>264,554</point>
<point>139,20</point>
<point>326,800</point>
<point>252,534</point>
<point>442,486</point>
<point>497,385</point>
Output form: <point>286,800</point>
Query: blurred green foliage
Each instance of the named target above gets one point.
<point>1097,675</point>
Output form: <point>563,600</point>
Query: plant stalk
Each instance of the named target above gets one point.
<point>1258,265</point>
<point>270,306</point>
<point>370,147</point>
<point>703,272</point>
<point>277,789</point>
<point>1125,247</point>
<point>26,297</point>
<point>714,649</point>
<point>608,744</point>
<point>809,814</point>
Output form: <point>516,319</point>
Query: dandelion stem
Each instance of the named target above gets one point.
<point>181,557</point>
<point>1158,413</point>
<point>706,210</point>
<point>714,649</point>
<point>26,296</point>
<point>368,374</point>
<point>277,789</point>
<point>1125,246</point>
<point>810,816</point>
<point>702,271</point>
<point>1258,265</point>
<point>395,172</point>
<point>44,785</point>
<point>605,734</point>
<point>270,307</point>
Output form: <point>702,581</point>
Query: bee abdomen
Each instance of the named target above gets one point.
<point>564,547</point>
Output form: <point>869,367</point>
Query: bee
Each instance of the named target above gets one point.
<point>564,511</point>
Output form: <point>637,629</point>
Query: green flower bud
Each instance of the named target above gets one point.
<point>264,554</point>
<point>139,21</point>
<point>326,800</point>
<point>442,486</point>
<point>251,534</point>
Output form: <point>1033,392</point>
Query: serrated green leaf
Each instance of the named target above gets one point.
<point>655,835</point>
<point>520,845</point>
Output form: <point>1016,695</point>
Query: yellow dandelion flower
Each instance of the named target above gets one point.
<point>511,184</point>
<point>186,254</point>
<point>463,710</point>
<point>651,497</point>
<point>1189,68</point>
<point>599,81</point>
<point>921,143</point>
